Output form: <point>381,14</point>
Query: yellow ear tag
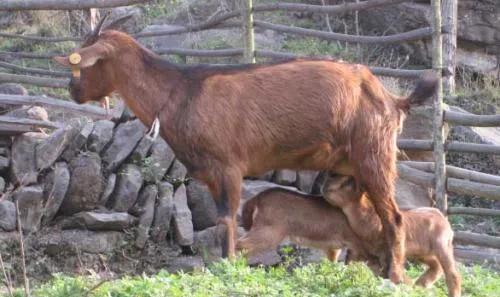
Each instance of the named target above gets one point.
<point>74,60</point>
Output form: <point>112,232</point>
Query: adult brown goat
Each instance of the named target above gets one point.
<point>227,122</point>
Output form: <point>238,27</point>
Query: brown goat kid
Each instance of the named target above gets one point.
<point>227,122</point>
<point>428,234</point>
<point>276,214</point>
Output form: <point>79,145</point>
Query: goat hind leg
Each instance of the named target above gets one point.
<point>227,204</point>
<point>452,276</point>
<point>260,239</point>
<point>431,275</point>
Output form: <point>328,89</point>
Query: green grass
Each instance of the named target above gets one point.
<point>237,279</point>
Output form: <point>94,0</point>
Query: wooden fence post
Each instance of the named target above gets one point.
<point>449,12</point>
<point>93,17</point>
<point>249,55</point>
<point>438,133</point>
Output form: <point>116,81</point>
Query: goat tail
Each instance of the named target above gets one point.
<point>248,212</point>
<point>425,88</point>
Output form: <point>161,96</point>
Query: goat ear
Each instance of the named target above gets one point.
<point>91,54</point>
<point>62,60</point>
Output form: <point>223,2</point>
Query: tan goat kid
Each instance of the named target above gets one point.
<point>428,234</point>
<point>276,214</point>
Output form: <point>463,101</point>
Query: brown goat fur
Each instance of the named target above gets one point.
<point>428,234</point>
<point>224,123</point>
<point>276,214</point>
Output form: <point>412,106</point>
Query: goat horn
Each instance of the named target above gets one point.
<point>98,28</point>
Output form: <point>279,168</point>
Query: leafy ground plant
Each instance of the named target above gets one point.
<point>238,279</point>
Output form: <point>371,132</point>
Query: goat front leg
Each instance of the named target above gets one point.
<point>227,199</point>
<point>378,174</point>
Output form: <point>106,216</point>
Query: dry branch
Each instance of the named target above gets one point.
<point>86,109</point>
<point>407,36</point>
<point>34,80</point>
<point>63,4</point>
<point>193,28</point>
<point>473,211</point>
<point>17,68</point>
<point>465,119</point>
<point>332,9</point>
<point>462,237</point>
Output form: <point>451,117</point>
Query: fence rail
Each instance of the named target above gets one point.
<point>87,110</point>
<point>455,185</point>
<point>470,238</point>
<point>14,126</point>
<point>464,119</point>
<point>17,68</point>
<point>454,146</point>
<point>63,4</point>
<point>473,211</point>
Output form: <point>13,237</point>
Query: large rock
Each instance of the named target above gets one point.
<point>285,177</point>
<point>477,33</point>
<point>185,264</point>
<point>30,201</point>
<point>183,225</point>
<point>163,212</point>
<point>202,205</point>
<point>55,189</point>
<point>78,142</point>
<point>142,149</point>
<point>146,203</point>
<point>177,172</point>
<point>29,112</point>
<point>2,184</point>
<point>12,89</point>
<point>108,189</point>
<point>77,241</point>
<point>305,180</point>
<point>410,195</point>
<point>125,139</point>
<point>113,221</point>
<point>86,184</point>
<point>207,243</point>
<point>23,162</point>
<point>418,125</point>
<point>250,188</point>
<point>128,184</point>
<point>100,136</point>
<point>4,163</point>
<point>49,150</point>
<point>160,160</point>
<point>7,215</point>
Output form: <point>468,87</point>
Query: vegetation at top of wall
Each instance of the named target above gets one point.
<point>238,279</point>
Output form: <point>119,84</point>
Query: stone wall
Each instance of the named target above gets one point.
<point>104,187</point>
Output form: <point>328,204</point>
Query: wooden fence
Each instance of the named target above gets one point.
<point>435,174</point>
